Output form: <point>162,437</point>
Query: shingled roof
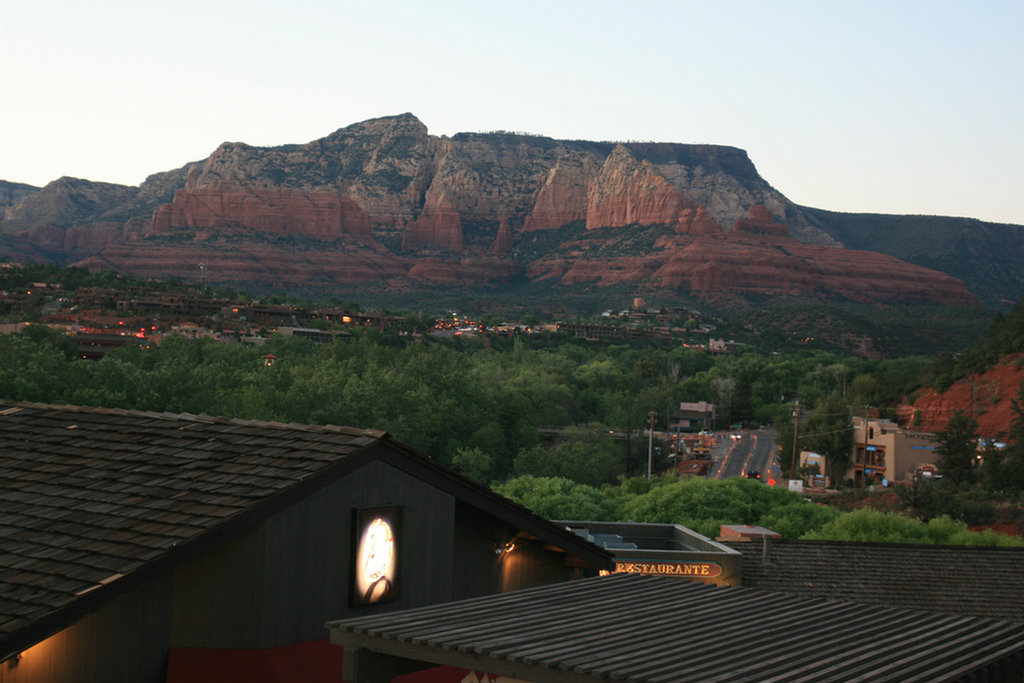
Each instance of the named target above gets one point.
<point>95,500</point>
<point>970,580</point>
<point>631,627</point>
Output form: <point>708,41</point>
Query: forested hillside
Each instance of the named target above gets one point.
<point>445,396</point>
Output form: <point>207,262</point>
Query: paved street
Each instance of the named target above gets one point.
<point>741,451</point>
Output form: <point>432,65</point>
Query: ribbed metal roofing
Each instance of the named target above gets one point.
<point>629,627</point>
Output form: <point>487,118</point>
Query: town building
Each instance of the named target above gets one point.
<point>722,346</point>
<point>885,452</point>
<point>152,547</point>
<point>695,416</point>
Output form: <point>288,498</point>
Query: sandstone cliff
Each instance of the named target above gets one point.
<point>384,203</point>
<point>753,259</point>
<point>987,397</point>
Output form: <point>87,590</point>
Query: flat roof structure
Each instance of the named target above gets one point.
<point>663,549</point>
<point>639,628</point>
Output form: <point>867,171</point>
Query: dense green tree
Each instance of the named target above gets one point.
<point>957,448</point>
<point>1012,468</point>
<point>473,463</point>
<point>829,431</point>
<point>559,498</point>
<point>994,474</point>
<point>705,504</point>
<point>867,525</point>
<point>926,498</point>
<point>586,456</point>
<point>797,519</point>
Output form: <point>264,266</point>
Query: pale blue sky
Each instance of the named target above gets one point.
<point>889,107</point>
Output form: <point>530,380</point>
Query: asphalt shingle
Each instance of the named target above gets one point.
<point>89,494</point>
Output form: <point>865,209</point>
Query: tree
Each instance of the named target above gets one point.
<point>871,526</point>
<point>473,463</point>
<point>957,448</point>
<point>1013,458</point>
<point>829,432</point>
<point>559,498</point>
<point>586,457</point>
<point>704,505</point>
<point>797,519</point>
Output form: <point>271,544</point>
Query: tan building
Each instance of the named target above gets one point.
<point>882,450</point>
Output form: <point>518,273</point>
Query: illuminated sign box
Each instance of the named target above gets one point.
<point>701,570</point>
<point>663,550</point>
<point>375,556</point>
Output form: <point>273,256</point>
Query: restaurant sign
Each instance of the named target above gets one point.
<point>697,570</point>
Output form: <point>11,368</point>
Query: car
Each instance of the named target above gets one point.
<point>753,474</point>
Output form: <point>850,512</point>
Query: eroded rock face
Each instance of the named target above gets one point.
<point>742,263</point>
<point>562,199</point>
<point>321,214</point>
<point>987,397</point>
<point>697,222</point>
<point>629,191</point>
<point>384,202</point>
<point>230,262</point>
<point>504,240</point>
<point>760,220</point>
<point>439,225</point>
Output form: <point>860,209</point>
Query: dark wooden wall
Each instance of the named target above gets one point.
<point>125,642</point>
<point>279,582</point>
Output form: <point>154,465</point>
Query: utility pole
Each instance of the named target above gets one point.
<point>650,446</point>
<point>796,432</point>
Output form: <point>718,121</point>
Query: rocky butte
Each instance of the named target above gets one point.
<point>382,204</point>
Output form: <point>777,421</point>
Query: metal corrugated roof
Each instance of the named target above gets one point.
<point>644,629</point>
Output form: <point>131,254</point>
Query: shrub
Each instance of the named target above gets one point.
<point>558,498</point>
<point>797,519</point>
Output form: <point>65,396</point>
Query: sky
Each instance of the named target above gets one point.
<point>901,106</point>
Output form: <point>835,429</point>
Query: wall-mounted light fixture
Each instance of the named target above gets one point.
<point>501,548</point>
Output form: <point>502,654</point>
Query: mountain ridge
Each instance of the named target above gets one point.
<point>383,204</point>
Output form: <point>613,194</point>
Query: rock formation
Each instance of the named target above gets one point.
<point>12,193</point>
<point>319,214</point>
<point>987,397</point>
<point>630,191</point>
<point>761,220</point>
<point>381,203</point>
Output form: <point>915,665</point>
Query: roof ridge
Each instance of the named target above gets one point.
<point>9,407</point>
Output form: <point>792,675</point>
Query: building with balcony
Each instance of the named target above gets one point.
<point>885,452</point>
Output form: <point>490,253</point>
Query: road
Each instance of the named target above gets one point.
<point>752,450</point>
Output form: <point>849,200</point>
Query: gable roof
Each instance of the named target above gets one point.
<point>969,580</point>
<point>96,500</point>
<point>639,628</point>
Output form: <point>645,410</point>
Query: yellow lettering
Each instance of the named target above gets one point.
<point>709,569</point>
